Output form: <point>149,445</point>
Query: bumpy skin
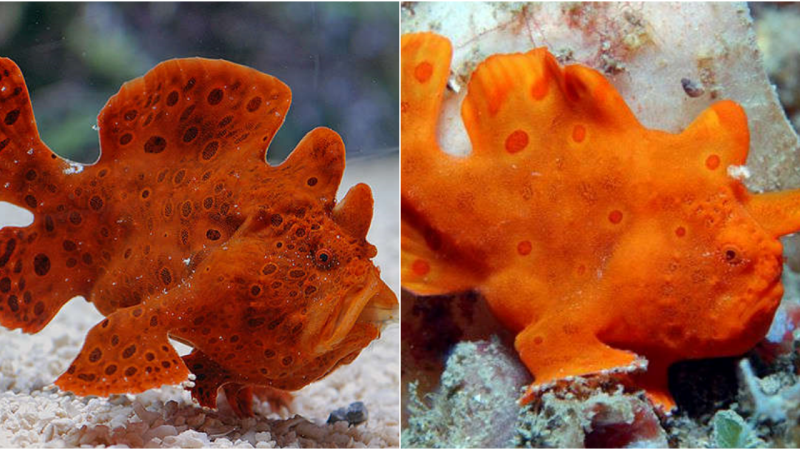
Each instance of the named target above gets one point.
<point>595,239</point>
<point>181,229</point>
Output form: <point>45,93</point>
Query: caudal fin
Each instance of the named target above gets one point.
<point>41,268</point>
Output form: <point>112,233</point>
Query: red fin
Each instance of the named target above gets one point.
<point>193,108</point>
<point>43,265</point>
<point>209,377</point>
<point>354,212</point>
<point>316,165</point>
<point>128,352</point>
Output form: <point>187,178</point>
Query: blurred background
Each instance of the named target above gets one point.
<point>339,59</point>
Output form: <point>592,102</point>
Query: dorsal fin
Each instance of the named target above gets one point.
<point>316,165</point>
<point>193,108</point>
<point>516,100</point>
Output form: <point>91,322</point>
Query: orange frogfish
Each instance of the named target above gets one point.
<point>182,230</point>
<point>603,245</point>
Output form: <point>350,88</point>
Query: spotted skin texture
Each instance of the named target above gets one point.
<point>599,242</point>
<point>181,229</point>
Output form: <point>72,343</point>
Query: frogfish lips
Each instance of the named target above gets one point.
<point>363,310</point>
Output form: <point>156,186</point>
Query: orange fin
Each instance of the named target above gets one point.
<point>316,165</point>
<point>777,212</point>
<point>425,66</point>
<point>426,271</point>
<point>194,108</point>
<point>128,352</point>
<point>354,212</point>
<point>553,351</point>
<point>516,104</point>
<point>717,138</point>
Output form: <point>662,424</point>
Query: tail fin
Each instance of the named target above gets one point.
<point>40,269</point>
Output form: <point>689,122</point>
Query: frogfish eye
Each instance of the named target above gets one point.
<point>323,258</point>
<point>732,255</point>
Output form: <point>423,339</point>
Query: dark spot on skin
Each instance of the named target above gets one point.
<point>225,121</point>
<point>287,361</point>
<point>128,352</point>
<point>125,139</point>
<point>130,371</point>
<point>41,264</point>
<point>269,268</point>
<point>104,324</point>
<point>96,203</point>
<point>213,235</point>
<point>5,284</point>
<point>13,303</point>
<point>145,193</point>
<point>4,143</point>
<point>166,277</point>
<point>168,209</point>
<point>71,262</point>
<point>310,290</point>
<point>190,134</point>
<point>223,208</point>
<point>186,208</point>
<point>156,144</point>
<point>269,353</point>
<point>184,237</point>
<point>137,312</point>
<point>186,113</point>
<point>172,98</point>
<point>87,258</point>
<point>154,321</point>
<point>71,369</point>
<point>189,84</point>
<point>111,369</point>
<point>276,220</point>
<point>214,97</point>
<point>95,355</point>
<point>208,202</point>
<point>48,223</point>
<point>165,364</point>
<point>30,201</point>
<point>130,115</point>
<point>69,246</point>
<point>10,246</point>
<point>148,120</point>
<point>150,356</point>
<point>254,104</point>
<point>312,181</point>
<point>274,324</point>
<point>255,290</point>
<point>255,322</point>
<point>38,309</point>
<point>179,176</point>
<point>297,273</point>
<point>75,218</point>
<point>12,117</point>
<point>300,232</point>
<point>31,175</point>
<point>210,150</point>
<point>86,377</point>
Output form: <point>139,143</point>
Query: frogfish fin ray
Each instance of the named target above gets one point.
<point>128,352</point>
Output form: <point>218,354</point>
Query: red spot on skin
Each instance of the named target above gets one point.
<point>680,232</point>
<point>578,133</point>
<point>615,216</point>
<point>524,248</point>
<point>423,71</point>
<point>516,141</point>
<point>421,267</point>
<point>712,162</point>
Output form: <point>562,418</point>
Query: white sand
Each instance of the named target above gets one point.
<point>33,412</point>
